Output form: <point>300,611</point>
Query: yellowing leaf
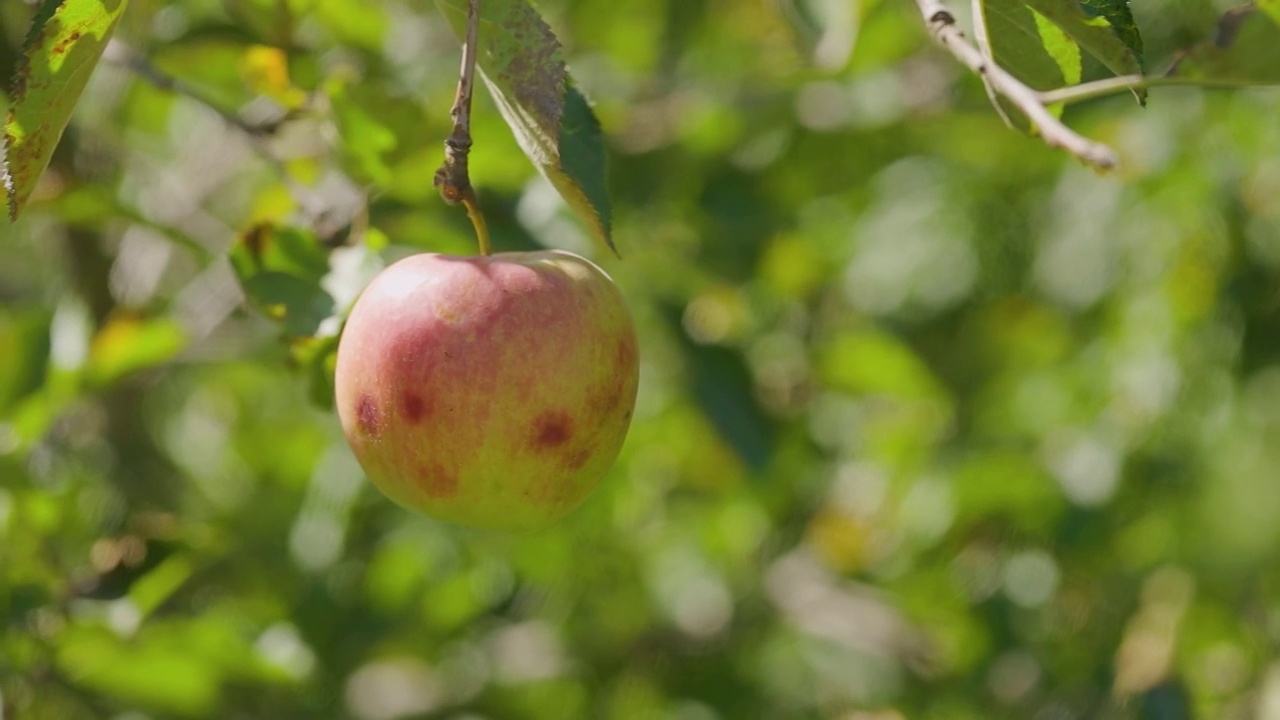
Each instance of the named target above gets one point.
<point>266,72</point>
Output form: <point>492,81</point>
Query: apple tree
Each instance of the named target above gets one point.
<point>953,334</point>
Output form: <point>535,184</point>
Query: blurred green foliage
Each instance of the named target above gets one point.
<point>933,422</point>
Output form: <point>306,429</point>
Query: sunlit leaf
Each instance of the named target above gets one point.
<point>64,45</point>
<point>158,585</point>
<point>266,71</point>
<point>129,343</point>
<point>521,63</point>
<point>367,140</point>
<point>873,362</point>
<point>159,677</point>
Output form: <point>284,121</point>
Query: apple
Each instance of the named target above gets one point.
<point>492,391</point>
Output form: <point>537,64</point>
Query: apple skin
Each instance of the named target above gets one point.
<point>491,391</point>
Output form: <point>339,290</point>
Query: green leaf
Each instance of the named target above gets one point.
<point>24,354</point>
<point>366,142</point>
<point>721,384</point>
<point>128,343</point>
<point>1031,48</point>
<point>1120,20</point>
<point>1245,51</point>
<point>288,250</point>
<point>151,673</point>
<point>872,362</point>
<point>300,306</point>
<point>1116,44</point>
<point>521,64</point>
<point>64,45</point>
<point>280,269</point>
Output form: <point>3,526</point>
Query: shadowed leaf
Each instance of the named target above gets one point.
<point>280,269</point>
<point>1032,48</point>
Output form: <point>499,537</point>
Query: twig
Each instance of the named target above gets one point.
<point>942,26</point>
<point>257,134</point>
<point>984,46</point>
<point>125,56</point>
<point>452,178</point>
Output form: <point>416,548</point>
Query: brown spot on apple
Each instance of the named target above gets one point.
<point>414,407</point>
<point>549,493</point>
<point>367,415</point>
<point>579,458</point>
<point>552,429</point>
<point>437,482</point>
<point>606,399</point>
<point>625,357</point>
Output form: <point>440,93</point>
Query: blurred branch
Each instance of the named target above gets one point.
<point>122,55</point>
<point>316,214</point>
<point>942,27</point>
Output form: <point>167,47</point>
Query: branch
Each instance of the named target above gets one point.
<point>257,135</point>
<point>942,27</point>
<point>127,57</point>
<point>452,178</point>
<point>984,47</point>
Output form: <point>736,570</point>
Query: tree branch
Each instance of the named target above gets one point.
<point>942,27</point>
<point>125,56</point>
<point>258,135</point>
<point>452,178</point>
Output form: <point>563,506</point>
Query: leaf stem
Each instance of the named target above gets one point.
<point>477,220</point>
<point>452,177</point>
<point>942,27</point>
<point>1121,83</point>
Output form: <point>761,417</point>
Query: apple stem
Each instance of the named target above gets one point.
<point>452,178</point>
<point>477,221</point>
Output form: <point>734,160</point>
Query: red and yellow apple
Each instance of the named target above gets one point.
<point>492,391</point>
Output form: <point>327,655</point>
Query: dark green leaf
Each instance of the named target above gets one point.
<point>1029,46</point>
<point>1118,47</point>
<point>1120,19</point>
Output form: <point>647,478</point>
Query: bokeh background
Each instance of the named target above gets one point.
<point>934,422</point>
